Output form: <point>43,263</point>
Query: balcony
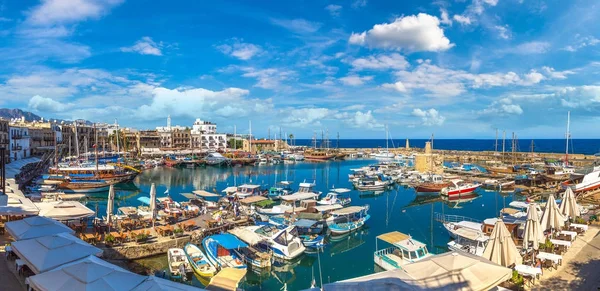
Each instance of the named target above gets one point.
<point>16,148</point>
<point>48,138</point>
<point>19,136</point>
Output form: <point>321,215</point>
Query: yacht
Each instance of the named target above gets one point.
<point>458,187</point>
<point>404,250</point>
<point>284,244</point>
<point>332,197</point>
<point>589,182</point>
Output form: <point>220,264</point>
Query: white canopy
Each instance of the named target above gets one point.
<point>552,218</point>
<point>230,189</point>
<point>153,283</point>
<point>110,204</point>
<point>533,230</point>
<point>153,200</point>
<point>45,253</point>
<point>569,206</point>
<point>501,248</point>
<point>18,205</point>
<point>247,235</point>
<point>447,271</point>
<point>36,226</point>
<point>64,210</point>
<point>87,274</point>
<point>299,196</point>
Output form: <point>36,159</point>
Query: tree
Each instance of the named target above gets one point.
<point>291,136</point>
<point>233,142</point>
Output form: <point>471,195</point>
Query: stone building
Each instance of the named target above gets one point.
<point>429,162</point>
<point>148,140</point>
<point>264,145</point>
<point>4,137</point>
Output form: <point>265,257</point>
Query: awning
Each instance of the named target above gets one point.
<point>145,200</point>
<point>228,241</point>
<point>230,189</point>
<point>509,211</point>
<point>305,223</point>
<point>205,193</point>
<point>64,210</point>
<point>18,205</point>
<point>298,196</point>
<point>128,210</point>
<point>322,208</point>
<point>393,237</point>
<point>252,199</point>
<point>471,234</point>
<point>227,279</point>
<point>36,226</point>
<point>153,283</point>
<point>349,210</point>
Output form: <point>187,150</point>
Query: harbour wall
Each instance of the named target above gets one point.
<point>139,251</point>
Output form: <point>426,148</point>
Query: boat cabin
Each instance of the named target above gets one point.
<point>306,187</point>
<point>404,250</point>
<point>248,190</point>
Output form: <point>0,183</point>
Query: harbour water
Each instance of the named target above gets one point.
<point>398,209</point>
<point>577,146</point>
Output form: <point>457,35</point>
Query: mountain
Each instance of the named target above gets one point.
<point>7,113</point>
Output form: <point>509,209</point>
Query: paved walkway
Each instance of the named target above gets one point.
<point>582,270</point>
<point>8,280</point>
<point>12,169</point>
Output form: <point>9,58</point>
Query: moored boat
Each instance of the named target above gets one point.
<point>283,242</point>
<point>86,186</point>
<point>333,197</point>
<point>458,187</point>
<point>589,182</point>
<point>199,262</point>
<point>347,219</point>
<point>179,266</point>
<point>220,250</point>
<point>404,250</point>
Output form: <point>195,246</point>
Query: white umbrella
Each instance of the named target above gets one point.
<point>501,248</point>
<point>533,230</point>
<point>110,207</point>
<point>552,218</point>
<point>153,201</point>
<point>569,206</point>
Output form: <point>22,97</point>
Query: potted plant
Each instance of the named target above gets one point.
<point>517,280</point>
<point>109,240</point>
<point>141,237</point>
<point>178,232</point>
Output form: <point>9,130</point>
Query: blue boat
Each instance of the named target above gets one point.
<point>310,232</point>
<point>222,251</point>
<point>348,219</point>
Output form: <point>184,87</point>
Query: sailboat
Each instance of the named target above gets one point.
<point>385,155</point>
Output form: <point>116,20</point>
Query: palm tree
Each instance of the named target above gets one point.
<point>291,136</point>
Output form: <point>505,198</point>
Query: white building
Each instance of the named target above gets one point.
<point>19,138</point>
<point>203,135</point>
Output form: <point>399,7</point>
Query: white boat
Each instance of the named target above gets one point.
<point>469,240</point>
<point>371,185</point>
<point>332,197</point>
<point>263,162</point>
<point>347,214</point>
<point>246,190</point>
<point>404,250</point>
<point>221,250</point>
<point>289,203</point>
<point>589,182</point>
<point>298,157</point>
<point>178,263</point>
<point>305,187</point>
<point>459,187</point>
<point>284,244</point>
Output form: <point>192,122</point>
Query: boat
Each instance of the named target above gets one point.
<point>275,193</point>
<point>371,185</point>
<point>257,253</point>
<point>310,232</point>
<point>283,242</point>
<point>500,169</point>
<point>199,262</point>
<point>172,163</point>
<point>404,250</point>
<point>170,207</point>
<point>314,155</point>
<point>306,187</point>
<point>459,187</point>
<point>179,266</point>
<point>436,184</point>
<point>498,184</point>
<point>85,186</point>
<point>92,171</point>
<point>588,182</point>
<point>221,251</point>
<point>469,240</point>
<point>347,219</point>
<point>247,190</point>
<point>215,159</point>
<point>332,197</point>
<point>289,204</point>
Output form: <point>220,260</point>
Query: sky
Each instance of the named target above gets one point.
<point>455,68</point>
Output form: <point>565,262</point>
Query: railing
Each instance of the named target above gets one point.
<point>17,136</point>
<point>383,255</point>
<point>16,148</point>
<point>453,218</point>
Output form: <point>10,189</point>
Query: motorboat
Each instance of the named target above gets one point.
<point>310,232</point>
<point>284,189</point>
<point>247,190</point>
<point>199,262</point>
<point>333,197</point>
<point>306,187</point>
<point>459,187</point>
<point>283,242</point>
<point>371,185</point>
<point>469,241</point>
<point>215,159</point>
<point>498,184</point>
<point>170,207</point>
<point>262,162</point>
<point>589,182</point>
<point>347,219</point>
<point>178,263</point>
<point>289,203</point>
<point>221,251</point>
<point>404,250</point>
<point>257,253</point>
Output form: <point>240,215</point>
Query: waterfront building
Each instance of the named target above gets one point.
<point>4,136</point>
<point>43,133</point>
<point>19,141</point>
<point>148,140</point>
<point>265,145</point>
<point>429,162</point>
<point>203,136</point>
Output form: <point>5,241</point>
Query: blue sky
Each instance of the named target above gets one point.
<point>458,69</point>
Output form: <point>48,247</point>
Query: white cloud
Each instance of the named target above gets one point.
<point>429,117</point>
<point>363,120</point>
<point>42,104</point>
<point>553,74</point>
<point>503,107</point>
<point>409,33</point>
<point>355,80</point>
<point>581,42</point>
<point>359,3</point>
<point>270,78</point>
<point>585,97</point>
<point>51,12</point>
<point>300,26</point>
<point>398,86</point>
<point>444,17</point>
<point>354,107</point>
<point>380,62</point>
<point>443,82</point>
<point>529,48</point>
<point>304,117</point>
<point>333,9</point>
<point>464,20</point>
<point>240,50</point>
<point>503,31</point>
<point>145,46</point>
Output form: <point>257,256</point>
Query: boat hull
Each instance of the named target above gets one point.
<point>430,187</point>
<point>458,192</point>
<point>202,267</point>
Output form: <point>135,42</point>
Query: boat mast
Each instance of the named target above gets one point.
<point>496,147</point>
<point>386,138</point>
<point>250,132</point>
<point>503,144</point>
<point>55,147</point>
<point>567,138</point>
<point>432,143</point>
<point>85,146</point>
<point>96,149</point>
<point>234,138</point>
<point>76,141</point>
<point>117,136</point>
<point>70,147</point>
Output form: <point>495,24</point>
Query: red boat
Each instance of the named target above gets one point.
<point>459,187</point>
<point>431,187</point>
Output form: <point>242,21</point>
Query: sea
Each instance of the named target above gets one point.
<point>397,209</point>
<point>578,146</point>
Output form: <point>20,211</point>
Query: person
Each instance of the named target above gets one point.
<point>538,264</point>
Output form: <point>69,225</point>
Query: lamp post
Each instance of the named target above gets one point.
<point>3,197</point>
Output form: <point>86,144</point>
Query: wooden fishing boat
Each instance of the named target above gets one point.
<point>86,186</point>
<point>220,250</point>
<point>431,187</point>
<point>348,219</point>
<point>318,156</point>
<point>199,262</point>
